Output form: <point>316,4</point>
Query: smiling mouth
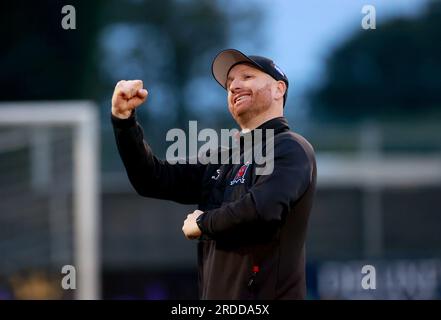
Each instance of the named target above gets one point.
<point>241,98</point>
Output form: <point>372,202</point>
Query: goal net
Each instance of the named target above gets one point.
<point>49,208</point>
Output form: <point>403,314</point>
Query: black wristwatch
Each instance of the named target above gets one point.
<point>199,220</point>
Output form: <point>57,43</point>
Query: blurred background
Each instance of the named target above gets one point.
<point>369,101</point>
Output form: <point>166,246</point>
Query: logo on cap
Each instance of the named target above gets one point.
<point>278,69</point>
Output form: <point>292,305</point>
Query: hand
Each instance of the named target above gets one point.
<point>190,228</point>
<point>127,96</point>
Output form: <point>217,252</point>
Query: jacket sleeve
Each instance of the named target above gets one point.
<point>150,176</point>
<point>269,197</point>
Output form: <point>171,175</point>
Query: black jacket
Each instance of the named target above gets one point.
<point>254,226</point>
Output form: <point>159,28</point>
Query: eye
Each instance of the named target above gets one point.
<point>247,76</point>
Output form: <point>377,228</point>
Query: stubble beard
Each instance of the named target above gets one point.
<point>261,103</point>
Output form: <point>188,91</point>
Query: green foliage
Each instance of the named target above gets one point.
<point>391,71</point>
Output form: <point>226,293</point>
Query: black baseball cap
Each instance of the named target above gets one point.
<point>227,59</point>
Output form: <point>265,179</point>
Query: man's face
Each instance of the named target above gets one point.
<point>250,91</point>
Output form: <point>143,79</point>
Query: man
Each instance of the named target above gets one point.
<point>251,228</point>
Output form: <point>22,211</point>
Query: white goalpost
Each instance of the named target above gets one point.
<point>81,117</point>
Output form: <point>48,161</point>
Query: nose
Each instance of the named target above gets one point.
<point>236,84</point>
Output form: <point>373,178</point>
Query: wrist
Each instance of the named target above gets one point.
<point>123,116</point>
<point>199,222</point>
<point>124,123</point>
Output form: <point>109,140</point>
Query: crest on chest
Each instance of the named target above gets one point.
<point>240,175</point>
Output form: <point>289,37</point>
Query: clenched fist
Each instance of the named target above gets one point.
<point>190,227</point>
<point>127,96</point>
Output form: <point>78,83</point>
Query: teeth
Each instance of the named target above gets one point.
<point>241,98</point>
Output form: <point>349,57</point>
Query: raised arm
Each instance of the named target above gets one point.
<point>150,176</point>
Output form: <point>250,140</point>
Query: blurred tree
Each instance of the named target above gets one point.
<point>170,45</point>
<point>393,70</point>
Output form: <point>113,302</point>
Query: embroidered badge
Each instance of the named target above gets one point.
<point>240,175</point>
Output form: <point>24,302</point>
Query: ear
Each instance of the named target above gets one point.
<point>280,89</point>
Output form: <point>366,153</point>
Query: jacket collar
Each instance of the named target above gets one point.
<point>279,124</point>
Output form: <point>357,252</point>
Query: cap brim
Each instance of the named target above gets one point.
<point>224,61</point>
